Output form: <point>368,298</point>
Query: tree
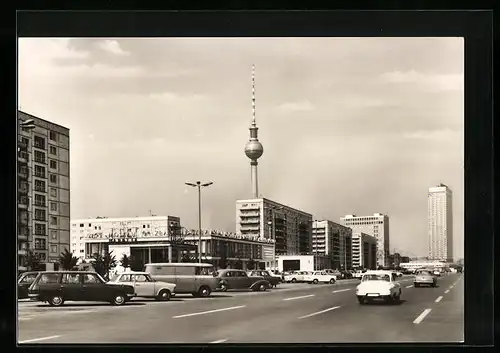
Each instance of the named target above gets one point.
<point>67,261</point>
<point>32,261</point>
<point>125,261</point>
<point>103,263</point>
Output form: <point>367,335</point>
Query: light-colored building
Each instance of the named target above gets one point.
<point>333,240</point>
<point>413,265</point>
<point>364,251</point>
<point>43,192</point>
<point>440,213</point>
<point>163,239</point>
<point>303,262</point>
<point>377,226</point>
<point>266,219</point>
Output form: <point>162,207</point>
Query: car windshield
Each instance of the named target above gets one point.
<point>376,277</point>
<point>114,278</point>
<point>423,273</point>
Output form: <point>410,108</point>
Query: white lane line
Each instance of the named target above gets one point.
<point>38,339</point>
<point>219,341</point>
<point>208,312</point>
<point>451,287</point>
<point>447,291</point>
<point>422,316</point>
<point>319,312</point>
<point>25,318</point>
<point>438,299</point>
<point>341,290</point>
<point>411,285</point>
<point>303,296</point>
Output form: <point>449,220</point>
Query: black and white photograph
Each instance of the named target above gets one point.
<point>240,190</point>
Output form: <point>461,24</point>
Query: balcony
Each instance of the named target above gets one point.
<point>23,157</point>
<point>23,190</point>
<point>22,237</point>
<point>22,145</point>
<point>23,174</point>
<point>21,252</point>
<point>22,205</point>
<point>250,221</point>
<point>249,214</point>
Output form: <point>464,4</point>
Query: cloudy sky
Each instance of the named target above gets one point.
<point>349,125</point>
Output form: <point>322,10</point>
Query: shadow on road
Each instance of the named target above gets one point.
<point>382,303</point>
<point>86,305</point>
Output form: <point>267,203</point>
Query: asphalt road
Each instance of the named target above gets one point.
<point>292,313</point>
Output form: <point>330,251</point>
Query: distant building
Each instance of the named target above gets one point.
<point>43,192</point>
<point>364,251</point>
<point>377,226</point>
<point>440,213</point>
<point>405,259</point>
<point>163,239</point>
<point>394,260</point>
<point>303,262</point>
<point>266,219</point>
<point>333,240</point>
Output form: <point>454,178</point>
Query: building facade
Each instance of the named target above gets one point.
<point>364,251</point>
<point>163,239</point>
<point>290,229</point>
<point>43,192</point>
<point>342,240</point>
<point>377,226</point>
<point>440,213</point>
<point>303,263</point>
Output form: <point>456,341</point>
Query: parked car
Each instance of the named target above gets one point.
<point>424,277</point>
<point>188,277</point>
<point>290,276</point>
<point>345,274</point>
<point>378,285</point>
<point>238,279</point>
<point>58,287</point>
<point>436,272</point>
<point>357,274</point>
<point>24,282</point>
<point>319,276</point>
<point>266,275</point>
<point>145,286</point>
<point>334,273</point>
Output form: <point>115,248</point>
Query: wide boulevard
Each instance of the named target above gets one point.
<point>291,313</point>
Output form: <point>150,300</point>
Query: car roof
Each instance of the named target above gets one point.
<point>179,264</point>
<point>379,272</point>
<point>60,272</point>
<point>134,273</point>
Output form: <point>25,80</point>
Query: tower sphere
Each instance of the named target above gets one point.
<point>254,149</point>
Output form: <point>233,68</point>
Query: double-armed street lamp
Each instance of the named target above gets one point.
<point>199,185</point>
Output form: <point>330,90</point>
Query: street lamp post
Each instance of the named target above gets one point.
<point>199,185</point>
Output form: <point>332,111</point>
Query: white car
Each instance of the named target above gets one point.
<point>335,274</point>
<point>319,276</point>
<point>378,285</point>
<point>357,274</point>
<point>145,286</point>
<point>297,276</point>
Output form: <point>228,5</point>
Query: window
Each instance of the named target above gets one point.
<point>53,221</point>
<point>53,135</point>
<point>81,225</point>
<point>70,278</point>
<point>40,244</point>
<point>47,278</point>
<point>53,192</point>
<point>40,215</point>
<point>90,224</point>
<point>125,278</point>
<point>53,206</point>
<point>53,164</point>
<point>39,200</point>
<point>53,178</point>
<point>140,278</point>
<point>90,278</point>
<point>39,171</point>
<point>29,278</point>
<point>53,150</point>
<point>53,248</point>
<point>39,157</point>
<point>39,142</point>
<point>40,229</point>
<point>39,185</point>
<point>53,234</point>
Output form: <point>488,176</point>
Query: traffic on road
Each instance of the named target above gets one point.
<point>346,310</point>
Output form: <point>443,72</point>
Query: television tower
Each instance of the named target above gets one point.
<point>253,148</point>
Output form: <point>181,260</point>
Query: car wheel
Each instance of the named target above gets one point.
<point>223,287</point>
<point>416,285</point>
<point>332,281</point>
<point>315,281</point>
<point>262,287</point>
<point>294,280</point>
<point>204,292</point>
<point>56,301</point>
<point>164,295</point>
<point>397,298</point>
<point>119,299</point>
<point>361,300</point>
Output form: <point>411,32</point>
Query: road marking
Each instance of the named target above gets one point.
<point>303,296</point>
<point>411,285</point>
<point>208,312</point>
<point>451,287</point>
<point>447,291</point>
<point>341,290</point>
<point>38,339</point>
<point>422,316</point>
<point>319,312</point>
<point>438,299</point>
<point>220,341</point>
<point>25,318</point>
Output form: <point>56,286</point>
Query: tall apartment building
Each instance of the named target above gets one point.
<point>333,240</point>
<point>376,226</point>
<point>364,251</point>
<point>440,212</point>
<point>43,191</point>
<point>266,219</point>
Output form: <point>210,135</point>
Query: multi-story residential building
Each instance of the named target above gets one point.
<point>376,226</point>
<point>440,213</point>
<point>290,228</point>
<point>395,260</point>
<point>162,239</point>
<point>333,240</point>
<point>364,251</point>
<point>43,191</point>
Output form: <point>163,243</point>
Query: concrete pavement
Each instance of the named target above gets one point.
<point>293,313</point>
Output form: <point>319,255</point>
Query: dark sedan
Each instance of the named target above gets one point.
<point>238,279</point>
<point>24,282</point>
<point>274,280</point>
<point>57,287</point>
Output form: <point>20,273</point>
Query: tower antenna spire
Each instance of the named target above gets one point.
<point>253,94</point>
